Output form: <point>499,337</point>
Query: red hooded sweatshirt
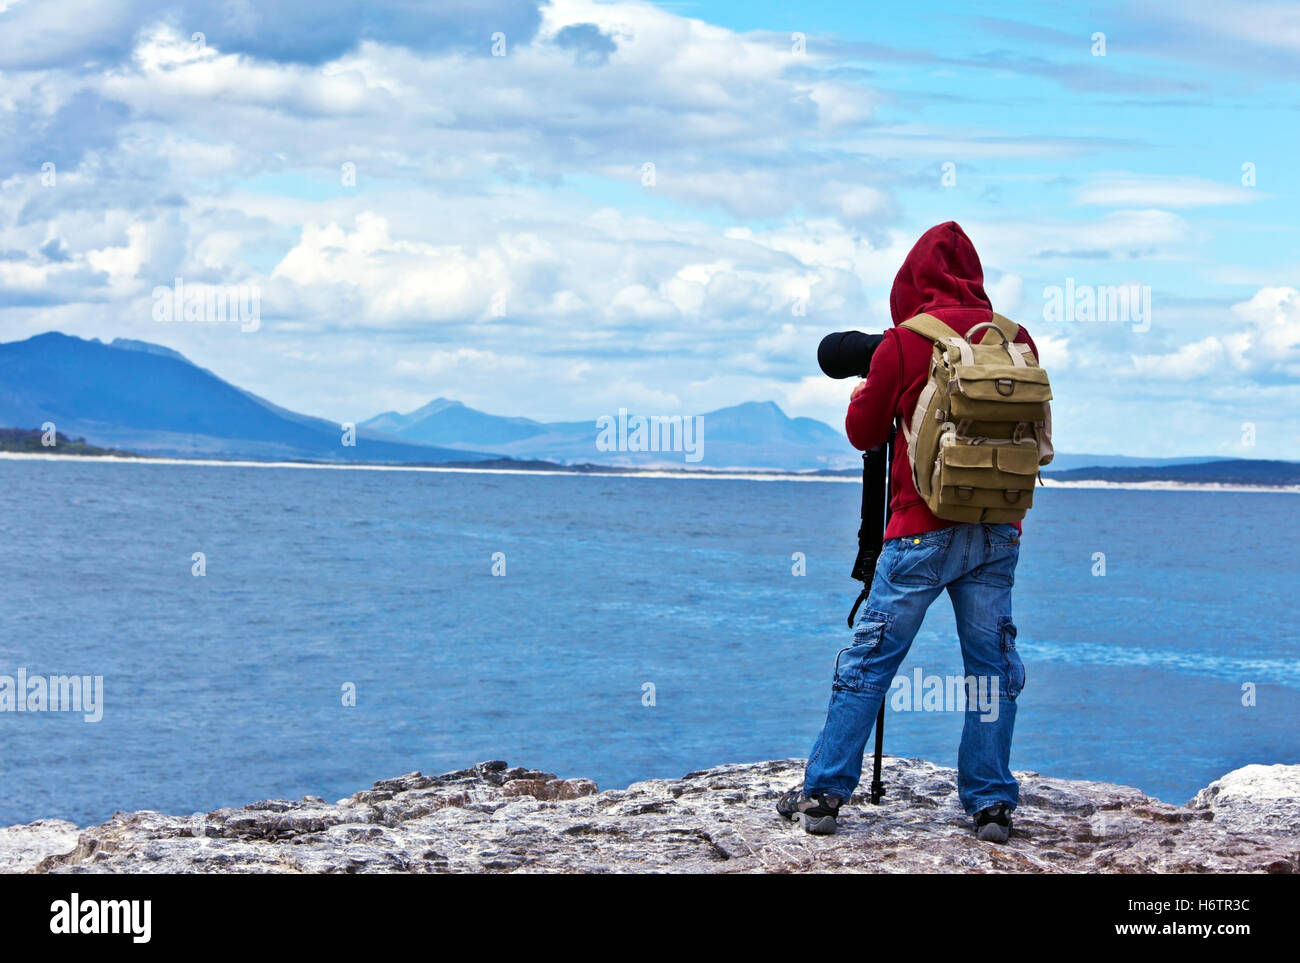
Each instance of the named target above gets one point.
<point>941,276</point>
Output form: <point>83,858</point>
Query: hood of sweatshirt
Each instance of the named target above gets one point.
<point>942,271</point>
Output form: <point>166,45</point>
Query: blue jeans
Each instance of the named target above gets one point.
<point>977,565</point>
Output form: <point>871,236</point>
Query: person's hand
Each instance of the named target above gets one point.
<point>858,388</point>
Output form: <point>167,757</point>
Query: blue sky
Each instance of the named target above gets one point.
<point>502,245</point>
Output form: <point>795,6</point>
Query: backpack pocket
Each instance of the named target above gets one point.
<point>1000,393</point>
<point>987,482</point>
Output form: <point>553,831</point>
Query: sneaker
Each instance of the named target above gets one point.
<point>816,813</point>
<point>993,825</point>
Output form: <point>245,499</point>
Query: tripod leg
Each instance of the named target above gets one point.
<point>878,787</point>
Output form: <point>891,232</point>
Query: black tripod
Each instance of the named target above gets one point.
<point>876,464</point>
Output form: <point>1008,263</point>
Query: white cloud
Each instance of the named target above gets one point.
<point>171,72</point>
<point>818,391</point>
<point>1266,343</point>
<point>1273,317</point>
<point>1193,360</point>
<point>445,361</point>
<point>1145,191</point>
<point>396,280</point>
<point>1053,351</point>
<point>1117,235</point>
<point>1006,293</point>
<point>1268,24</point>
<point>122,264</point>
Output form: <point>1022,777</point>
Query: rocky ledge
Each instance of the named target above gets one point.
<point>493,818</point>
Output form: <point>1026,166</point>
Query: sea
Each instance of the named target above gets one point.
<point>261,632</point>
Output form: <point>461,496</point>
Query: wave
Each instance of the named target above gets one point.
<point>1283,672</point>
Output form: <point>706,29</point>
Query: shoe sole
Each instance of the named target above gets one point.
<point>817,825</point>
<point>993,833</point>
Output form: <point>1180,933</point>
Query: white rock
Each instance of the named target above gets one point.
<point>1254,799</point>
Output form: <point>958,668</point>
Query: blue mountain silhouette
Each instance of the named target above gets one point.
<point>150,399</point>
<point>755,434</point>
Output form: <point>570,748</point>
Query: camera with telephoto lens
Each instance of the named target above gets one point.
<point>847,354</point>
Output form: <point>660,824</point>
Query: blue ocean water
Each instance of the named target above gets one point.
<point>226,688</point>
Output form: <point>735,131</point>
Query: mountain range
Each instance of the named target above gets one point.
<point>753,435</point>
<point>150,399</point>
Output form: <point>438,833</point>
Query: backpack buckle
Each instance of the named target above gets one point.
<point>1012,495</point>
<point>1009,385</point>
<point>964,492</point>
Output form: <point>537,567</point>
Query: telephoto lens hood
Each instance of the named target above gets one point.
<point>847,354</point>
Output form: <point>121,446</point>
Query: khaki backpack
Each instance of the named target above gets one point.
<point>982,425</point>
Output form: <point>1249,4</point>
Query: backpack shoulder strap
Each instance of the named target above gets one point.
<point>928,326</point>
<point>1009,328</point>
<point>1019,350</point>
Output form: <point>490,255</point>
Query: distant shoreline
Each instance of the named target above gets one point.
<point>1173,486</point>
<point>618,472</point>
<point>601,471</point>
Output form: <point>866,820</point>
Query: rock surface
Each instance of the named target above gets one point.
<point>22,847</point>
<point>493,818</point>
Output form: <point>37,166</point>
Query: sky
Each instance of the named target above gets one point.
<point>562,209</point>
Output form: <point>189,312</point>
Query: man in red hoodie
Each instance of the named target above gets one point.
<point>922,555</point>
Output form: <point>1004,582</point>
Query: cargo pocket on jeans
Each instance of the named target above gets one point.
<point>1012,666</point>
<point>851,663</point>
